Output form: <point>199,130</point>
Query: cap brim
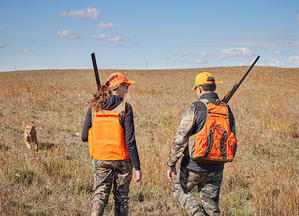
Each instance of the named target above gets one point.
<point>130,82</point>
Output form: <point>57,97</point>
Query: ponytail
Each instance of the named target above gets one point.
<point>102,96</point>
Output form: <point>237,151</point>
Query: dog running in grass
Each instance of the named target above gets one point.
<point>30,136</point>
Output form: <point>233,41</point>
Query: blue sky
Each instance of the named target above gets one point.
<point>162,34</point>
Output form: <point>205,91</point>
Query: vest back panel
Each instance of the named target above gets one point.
<point>106,136</point>
<point>215,143</point>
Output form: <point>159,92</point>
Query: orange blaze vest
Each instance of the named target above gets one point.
<point>215,143</point>
<point>106,137</point>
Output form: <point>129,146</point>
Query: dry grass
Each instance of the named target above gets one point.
<point>263,179</point>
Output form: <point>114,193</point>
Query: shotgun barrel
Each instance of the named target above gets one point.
<point>95,68</point>
<point>228,96</point>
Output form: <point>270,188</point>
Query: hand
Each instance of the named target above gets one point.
<point>138,175</point>
<point>169,174</point>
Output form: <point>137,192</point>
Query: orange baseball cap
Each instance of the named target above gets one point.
<point>118,78</point>
<point>204,78</point>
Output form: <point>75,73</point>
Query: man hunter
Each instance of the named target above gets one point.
<point>207,177</point>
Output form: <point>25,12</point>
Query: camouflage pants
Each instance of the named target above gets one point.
<point>208,184</point>
<point>106,173</point>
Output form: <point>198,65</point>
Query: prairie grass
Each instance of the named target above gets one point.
<point>262,180</point>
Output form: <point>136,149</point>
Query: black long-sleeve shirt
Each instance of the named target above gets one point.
<point>129,128</point>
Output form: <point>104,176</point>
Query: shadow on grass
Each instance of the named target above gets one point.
<point>46,146</point>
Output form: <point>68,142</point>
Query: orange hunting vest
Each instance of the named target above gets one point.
<point>106,137</point>
<point>215,143</point>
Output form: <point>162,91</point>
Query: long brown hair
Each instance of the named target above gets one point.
<point>101,97</point>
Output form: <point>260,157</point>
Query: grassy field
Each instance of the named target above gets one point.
<point>262,180</point>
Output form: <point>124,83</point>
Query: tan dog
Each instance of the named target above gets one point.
<point>30,136</point>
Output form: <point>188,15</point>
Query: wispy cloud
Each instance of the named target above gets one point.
<point>276,52</point>
<point>292,43</point>
<point>109,38</point>
<point>226,53</point>
<point>89,13</point>
<point>233,53</point>
<point>2,45</point>
<point>200,60</point>
<point>294,60</point>
<point>165,58</point>
<point>25,50</point>
<point>106,25</point>
<point>275,42</point>
<point>194,55</point>
<point>275,62</point>
<point>68,34</point>
<point>135,43</point>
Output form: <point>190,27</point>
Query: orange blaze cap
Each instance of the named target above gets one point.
<point>118,78</point>
<point>204,78</point>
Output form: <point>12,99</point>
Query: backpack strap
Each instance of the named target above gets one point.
<point>206,101</point>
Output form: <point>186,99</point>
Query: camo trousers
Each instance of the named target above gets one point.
<point>208,184</point>
<point>106,173</point>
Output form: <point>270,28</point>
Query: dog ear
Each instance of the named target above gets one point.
<point>25,123</point>
<point>33,123</point>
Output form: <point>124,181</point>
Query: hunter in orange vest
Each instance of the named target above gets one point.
<point>109,130</point>
<point>206,139</point>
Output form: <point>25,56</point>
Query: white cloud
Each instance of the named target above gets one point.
<point>109,38</point>
<point>90,12</point>
<point>2,45</point>
<point>180,54</point>
<point>165,58</point>
<point>135,43</point>
<point>226,53</point>
<point>191,55</point>
<point>105,25</point>
<point>200,60</point>
<point>204,54</point>
<point>25,50</point>
<point>275,62</point>
<point>233,53</point>
<point>69,34</point>
<point>294,60</point>
<point>276,52</point>
<point>291,43</point>
<point>298,18</point>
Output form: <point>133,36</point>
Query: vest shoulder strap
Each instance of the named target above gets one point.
<point>206,101</point>
<point>121,109</point>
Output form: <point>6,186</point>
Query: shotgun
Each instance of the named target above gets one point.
<point>229,94</point>
<point>95,68</point>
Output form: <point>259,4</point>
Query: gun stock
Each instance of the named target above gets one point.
<point>95,68</point>
<point>229,95</point>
